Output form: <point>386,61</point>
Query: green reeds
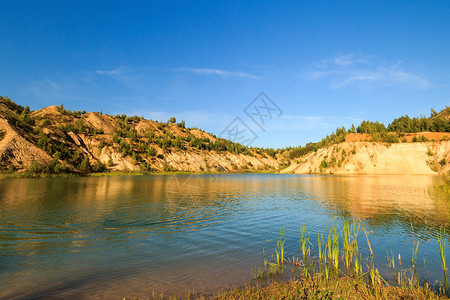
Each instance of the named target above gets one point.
<point>335,251</point>
<point>280,248</point>
<point>322,250</point>
<point>336,260</point>
<point>442,253</point>
<point>414,250</point>
<point>304,243</point>
<point>306,250</point>
<point>350,243</point>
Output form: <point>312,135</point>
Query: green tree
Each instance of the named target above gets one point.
<point>85,166</point>
<point>433,113</point>
<point>35,167</point>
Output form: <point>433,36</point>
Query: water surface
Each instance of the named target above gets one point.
<point>111,237</point>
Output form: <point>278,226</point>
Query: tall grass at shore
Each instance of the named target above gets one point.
<point>442,253</point>
<point>339,258</point>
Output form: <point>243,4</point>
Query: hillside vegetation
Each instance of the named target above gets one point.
<point>55,140</point>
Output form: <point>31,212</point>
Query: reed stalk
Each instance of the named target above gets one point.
<point>442,253</point>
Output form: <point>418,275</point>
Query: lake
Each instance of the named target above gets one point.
<point>111,237</point>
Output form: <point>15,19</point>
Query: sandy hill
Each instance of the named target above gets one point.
<point>406,146</point>
<point>57,140</point>
<point>375,158</point>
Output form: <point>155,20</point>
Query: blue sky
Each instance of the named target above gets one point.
<point>324,63</point>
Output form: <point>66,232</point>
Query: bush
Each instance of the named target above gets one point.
<point>85,166</point>
<point>151,151</point>
<point>12,168</point>
<point>423,138</point>
<point>99,167</point>
<point>35,167</point>
<point>172,120</point>
<point>323,164</point>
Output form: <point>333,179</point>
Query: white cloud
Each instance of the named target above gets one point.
<point>222,73</point>
<point>111,73</point>
<point>364,72</point>
<point>54,89</point>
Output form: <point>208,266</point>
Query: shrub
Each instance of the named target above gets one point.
<point>323,164</point>
<point>423,138</point>
<point>172,120</point>
<point>99,167</point>
<point>35,167</point>
<point>12,168</point>
<point>85,165</point>
<point>151,151</point>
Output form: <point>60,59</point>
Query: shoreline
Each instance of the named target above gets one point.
<point>26,175</point>
<point>123,173</point>
<point>314,287</point>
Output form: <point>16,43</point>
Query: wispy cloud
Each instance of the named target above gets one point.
<point>113,72</point>
<point>222,73</point>
<point>56,88</point>
<point>364,71</point>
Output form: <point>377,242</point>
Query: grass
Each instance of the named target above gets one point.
<point>338,265</point>
<point>336,273</point>
<point>122,173</point>
<point>315,287</point>
<point>37,175</point>
<point>442,253</point>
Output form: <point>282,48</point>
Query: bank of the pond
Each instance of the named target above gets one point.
<point>124,173</point>
<point>315,287</point>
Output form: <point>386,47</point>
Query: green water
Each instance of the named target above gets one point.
<point>110,237</point>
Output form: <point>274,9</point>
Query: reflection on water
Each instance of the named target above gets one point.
<point>129,236</point>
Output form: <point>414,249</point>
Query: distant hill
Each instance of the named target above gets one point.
<point>56,140</point>
<point>406,146</point>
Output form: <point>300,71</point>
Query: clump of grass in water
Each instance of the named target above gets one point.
<point>279,256</point>
<point>334,263</point>
<point>305,246</point>
<point>442,252</point>
<point>280,248</point>
<point>350,232</point>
